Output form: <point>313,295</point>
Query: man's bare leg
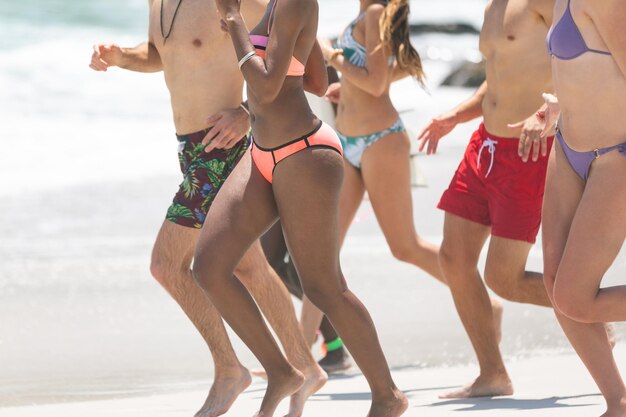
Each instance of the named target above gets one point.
<point>506,275</point>
<point>395,216</point>
<point>171,262</point>
<point>275,303</point>
<point>462,244</point>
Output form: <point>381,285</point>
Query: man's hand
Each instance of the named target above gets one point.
<point>105,55</point>
<point>333,93</point>
<point>227,128</point>
<point>436,129</point>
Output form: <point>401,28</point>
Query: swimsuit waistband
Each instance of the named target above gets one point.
<point>193,136</point>
<point>314,131</point>
<point>397,126</point>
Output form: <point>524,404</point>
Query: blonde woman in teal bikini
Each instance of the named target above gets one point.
<point>584,221</point>
<point>373,51</point>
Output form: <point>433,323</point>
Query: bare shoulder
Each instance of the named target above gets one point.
<point>253,10</point>
<point>300,6</point>
<point>612,10</point>
<point>296,13</point>
<point>374,11</point>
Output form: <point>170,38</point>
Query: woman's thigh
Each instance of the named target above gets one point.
<point>563,192</point>
<point>387,176</point>
<point>598,228</point>
<point>306,188</point>
<point>242,211</point>
<point>352,191</point>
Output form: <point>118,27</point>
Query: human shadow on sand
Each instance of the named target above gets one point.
<point>358,396</point>
<point>491,403</point>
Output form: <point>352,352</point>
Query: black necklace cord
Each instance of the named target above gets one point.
<point>166,36</point>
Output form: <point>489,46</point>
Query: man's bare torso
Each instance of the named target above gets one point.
<point>518,66</point>
<point>198,59</point>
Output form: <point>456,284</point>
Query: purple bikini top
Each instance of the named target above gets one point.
<point>565,40</point>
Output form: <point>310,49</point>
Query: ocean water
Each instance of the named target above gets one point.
<point>87,168</point>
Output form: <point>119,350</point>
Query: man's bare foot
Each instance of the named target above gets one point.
<point>483,387</point>
<point>610,332</point>
<point>497,309</point>
<point>393,407</point>
<point>279,386</point>
<point>224,392</point>
<point>314,380</point>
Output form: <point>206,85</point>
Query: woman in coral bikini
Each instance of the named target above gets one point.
<point>584,212</point>
<point>295,173</point>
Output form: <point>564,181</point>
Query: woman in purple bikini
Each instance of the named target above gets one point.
<point>584,212</point>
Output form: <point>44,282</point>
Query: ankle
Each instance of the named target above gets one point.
<point>230,371</point>
<point>617,403</point>
<point>390,393</point>
<point>498,373</point>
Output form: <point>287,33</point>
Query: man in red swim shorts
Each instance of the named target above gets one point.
<point>498,187</point>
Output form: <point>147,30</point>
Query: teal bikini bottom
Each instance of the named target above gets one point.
<point>354,146</point>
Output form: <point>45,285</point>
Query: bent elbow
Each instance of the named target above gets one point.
<point>376,88</point>
<point>379,89</point>
<point>319,89</point>
<point>265,94</point>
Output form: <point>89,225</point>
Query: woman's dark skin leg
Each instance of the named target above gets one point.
<point>306,189</point>
<point>242,211</point>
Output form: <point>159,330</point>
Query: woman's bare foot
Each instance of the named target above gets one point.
<point>497,310</point>
<point>226,388</point>
<point>618,410</point>
<point>279,386</point>
<point>314,380</point>
<point>483,387</point>
<point>391,407</point>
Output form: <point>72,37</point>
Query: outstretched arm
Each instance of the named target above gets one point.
<point>443,124</point>
<point>265,77</point>
<point>142,58</point>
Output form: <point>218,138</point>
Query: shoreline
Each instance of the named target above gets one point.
<point>555,385</point>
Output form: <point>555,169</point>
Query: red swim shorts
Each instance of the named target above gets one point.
<point>494,187</point>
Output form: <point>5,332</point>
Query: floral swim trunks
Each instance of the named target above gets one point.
<point>204,174</point>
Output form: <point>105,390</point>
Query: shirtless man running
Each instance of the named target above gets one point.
<point>498,188</point>
<point>200,69</point>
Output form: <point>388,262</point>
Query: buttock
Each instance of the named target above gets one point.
<point>266,159</point>
<point>203,176</point>
<point>494,187</point>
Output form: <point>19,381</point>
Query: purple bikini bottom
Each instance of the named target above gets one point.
<point>581,161</point>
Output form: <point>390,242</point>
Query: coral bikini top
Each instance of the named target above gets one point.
<point>296,69</point>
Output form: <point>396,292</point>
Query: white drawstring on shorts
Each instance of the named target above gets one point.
<point>490,144</point>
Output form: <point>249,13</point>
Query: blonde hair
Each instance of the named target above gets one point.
<point>395,37</point>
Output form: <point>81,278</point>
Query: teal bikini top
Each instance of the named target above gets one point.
<point>354,52</point>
